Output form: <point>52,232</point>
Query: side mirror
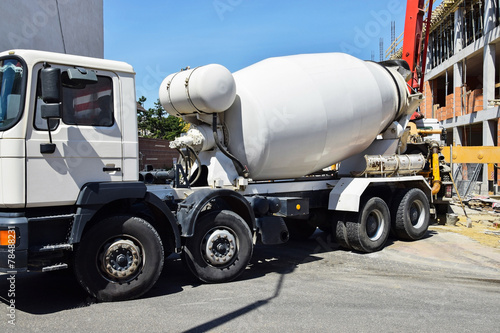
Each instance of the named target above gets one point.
<point>50,79</point>
<point>51,111</point>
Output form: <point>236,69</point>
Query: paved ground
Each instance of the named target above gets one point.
<point>443,283</point>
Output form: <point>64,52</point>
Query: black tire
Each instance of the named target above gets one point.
<point>228,261</point>
<point>119,258</point>
<point>368,230</point>
<point>339,229</point>
<point>411,219</point>
<point>298,229</point>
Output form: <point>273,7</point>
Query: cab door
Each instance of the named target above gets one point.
<point>88,141</point>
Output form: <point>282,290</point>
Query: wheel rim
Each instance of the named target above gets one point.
<point>375,225</point>
<point>219,247</point>
<point>417,216</point>
<point>122,259</point>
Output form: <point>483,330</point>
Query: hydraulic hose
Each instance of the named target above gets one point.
<point>240,168</point>
<point>184,157</point>
<point>436,181</point>
<point>198,173</point>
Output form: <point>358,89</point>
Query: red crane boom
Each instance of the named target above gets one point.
<point>414,52</point>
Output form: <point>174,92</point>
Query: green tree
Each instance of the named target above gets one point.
<point>157,123</point>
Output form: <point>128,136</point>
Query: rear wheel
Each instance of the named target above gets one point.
<point>220,249</point>
<point>411,219</point>
<point>339,229</point>
<point>368,231</point>
<point>119,258</point>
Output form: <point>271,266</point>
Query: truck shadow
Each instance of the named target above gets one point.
<point>44,293</point>
<point>278,259</point>
<point>52,292</point>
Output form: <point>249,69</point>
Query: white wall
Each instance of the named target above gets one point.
<point>67,26</point>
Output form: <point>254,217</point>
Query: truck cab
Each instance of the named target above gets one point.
<point>69,171</point>
<point>95,139</point>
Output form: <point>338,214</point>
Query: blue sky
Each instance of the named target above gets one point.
<point>159,37</point>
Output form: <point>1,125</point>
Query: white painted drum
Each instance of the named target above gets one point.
<point>298,114</point>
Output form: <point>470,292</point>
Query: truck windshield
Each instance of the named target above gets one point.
<point>11,92</point>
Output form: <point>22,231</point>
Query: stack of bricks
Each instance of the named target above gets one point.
<point>157,153</point>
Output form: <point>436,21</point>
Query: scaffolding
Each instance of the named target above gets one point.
<point>442,29</point>
<point>466,177</point>
<point>442,41</point>
<point>470,26</point>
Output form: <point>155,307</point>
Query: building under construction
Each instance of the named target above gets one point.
<point>461,86</point>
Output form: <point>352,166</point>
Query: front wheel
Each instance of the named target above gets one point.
<point>220,249</point>
<point>119,258</point>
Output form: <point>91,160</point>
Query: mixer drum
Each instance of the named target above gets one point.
<point>298,114</point>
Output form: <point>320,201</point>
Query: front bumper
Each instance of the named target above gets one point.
<point>18,259</point>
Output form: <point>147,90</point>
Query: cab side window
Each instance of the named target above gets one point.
<point>88,105</point>
<point>91,105</point>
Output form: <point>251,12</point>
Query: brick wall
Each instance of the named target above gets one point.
<point>439,114</point>
<point>156,152</point>
<point>473,103</point>
<point>458,102</point>
<point>449,106</point>
<point>426,105</point>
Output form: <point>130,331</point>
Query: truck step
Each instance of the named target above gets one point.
<point>55,247</point>
<point>54,267</point>
<point>51,218</point>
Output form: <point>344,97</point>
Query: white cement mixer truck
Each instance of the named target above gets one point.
<point>274,151</point>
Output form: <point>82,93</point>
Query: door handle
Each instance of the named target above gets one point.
<point>111,169</point>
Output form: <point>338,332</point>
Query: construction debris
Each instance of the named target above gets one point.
<point>484,223</point>
<point>483,203</point>
<point>451,219</point>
